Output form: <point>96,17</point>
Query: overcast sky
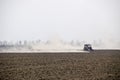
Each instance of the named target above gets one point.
<point>68,19</point>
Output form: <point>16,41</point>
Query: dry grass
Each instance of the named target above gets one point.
<point>97,65</point>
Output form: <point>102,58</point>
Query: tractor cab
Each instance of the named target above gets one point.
<point>88,47</point>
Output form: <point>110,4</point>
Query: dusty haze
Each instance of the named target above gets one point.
<point>82,20</point>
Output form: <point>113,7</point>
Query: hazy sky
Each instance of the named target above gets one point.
<point>69,19</point>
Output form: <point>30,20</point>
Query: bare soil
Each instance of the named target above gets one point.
<point>96,65</point>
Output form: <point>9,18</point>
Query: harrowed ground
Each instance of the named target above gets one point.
<point>96,65</point>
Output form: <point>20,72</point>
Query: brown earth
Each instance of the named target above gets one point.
<point>96,65</point>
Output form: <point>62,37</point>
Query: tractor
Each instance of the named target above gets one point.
<point>88,47</point>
